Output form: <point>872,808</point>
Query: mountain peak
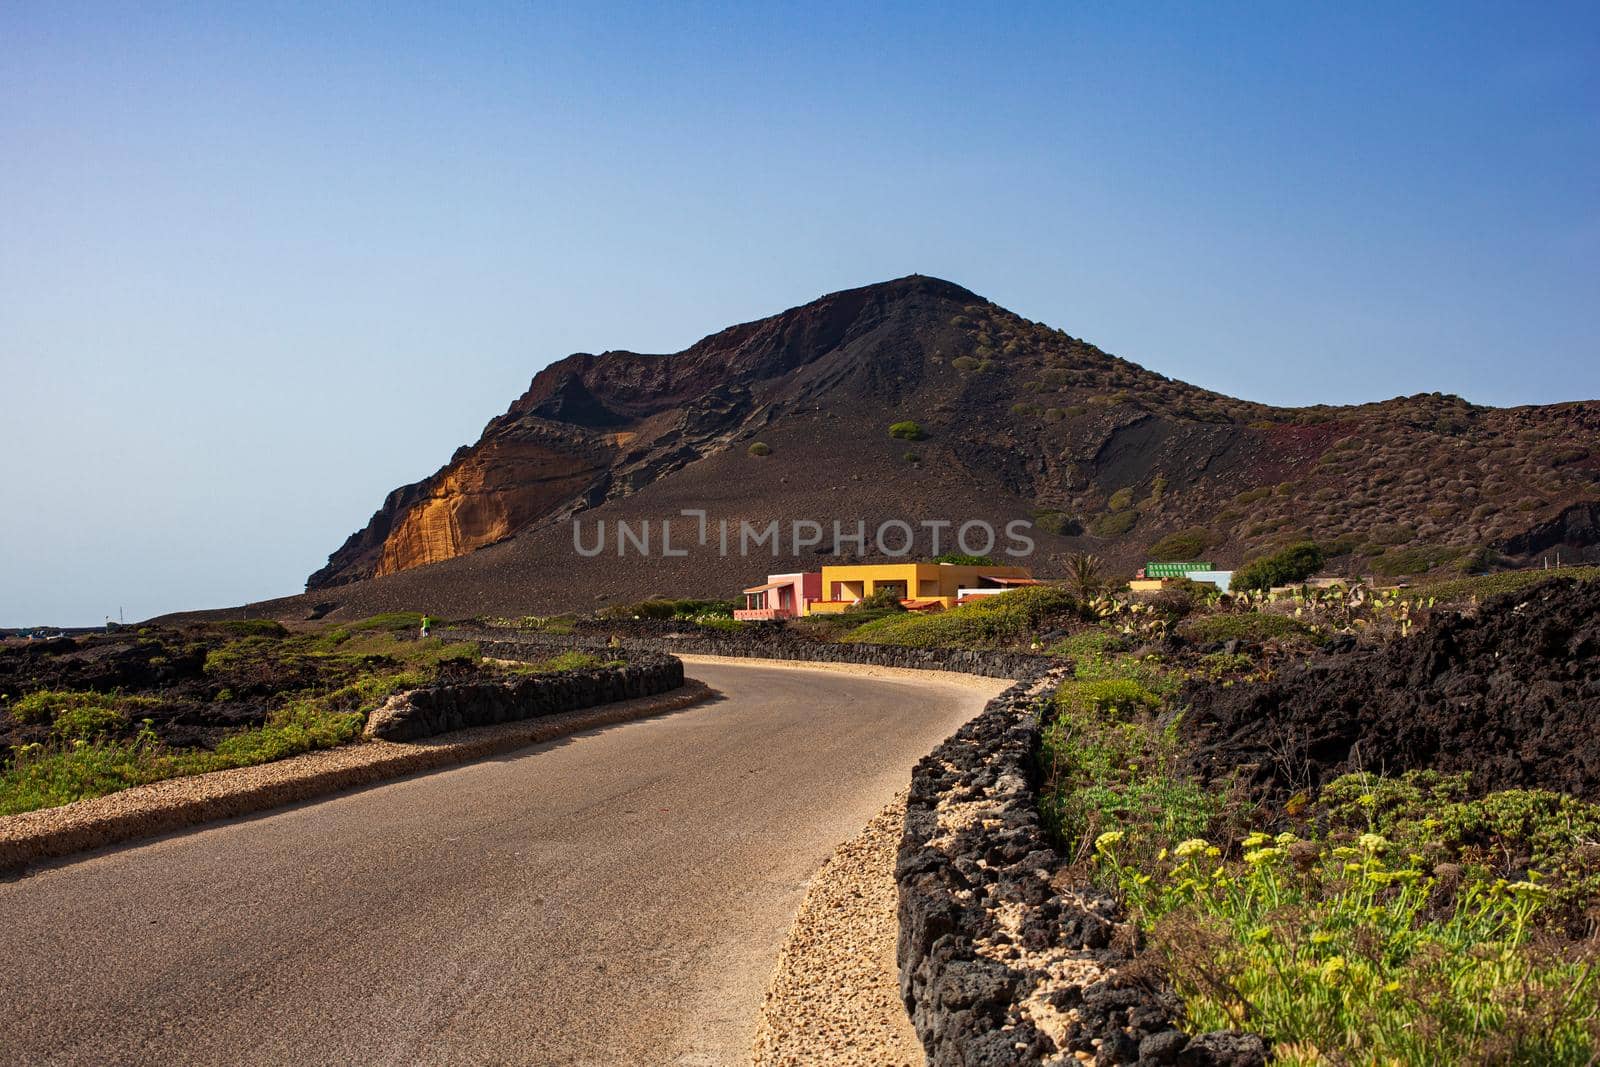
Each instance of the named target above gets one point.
<point>1020,421</point>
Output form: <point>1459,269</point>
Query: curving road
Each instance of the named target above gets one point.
<point>615,897</point>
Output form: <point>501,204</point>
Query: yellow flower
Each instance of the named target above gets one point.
<point>1321,937</point>
<point>1373,842</point>
<point>1107,841</point>
<point>1286,838</point>
<point>1255,840</point>
<point>1192,847</point>
<point>1332,970</point>
<point>1263,856</point>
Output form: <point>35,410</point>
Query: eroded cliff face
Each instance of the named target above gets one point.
<point>485,497</point>
<point>591,428</point>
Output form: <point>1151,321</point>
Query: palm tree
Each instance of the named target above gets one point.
<point>1083,572</point>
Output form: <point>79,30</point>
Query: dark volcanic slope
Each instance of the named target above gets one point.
<point>1022,420</point>
<point>1511,695</point>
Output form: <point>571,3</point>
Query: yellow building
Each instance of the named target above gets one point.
<point>920,586</point>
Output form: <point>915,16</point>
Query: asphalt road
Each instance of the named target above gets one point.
<point>615,897</point>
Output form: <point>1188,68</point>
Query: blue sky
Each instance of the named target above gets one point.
<point>260,264</point>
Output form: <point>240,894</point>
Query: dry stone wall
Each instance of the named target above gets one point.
<point>989,663</point>
<point>438,709</point>
<point>1002,961</point>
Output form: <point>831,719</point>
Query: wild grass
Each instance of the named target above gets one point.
<point>1414,924</point>
<point>1098,641</point>
<point>43,777</point>
<point>390,620</point>
<point>1109,765</point>
<point>71,709</point>
<point>566,661</point>
<point>1344,950</point>
<point>1485,586</point>
<point>98,744</point>
<point>1252,626</point>
<point>1006,619</point>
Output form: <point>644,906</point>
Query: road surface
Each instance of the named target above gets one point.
<point>618,896</point>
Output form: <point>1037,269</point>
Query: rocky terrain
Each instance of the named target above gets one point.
<point>788,417</point>
<point>1510,695</point>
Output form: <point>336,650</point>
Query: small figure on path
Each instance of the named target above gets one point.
<point>427,625</point>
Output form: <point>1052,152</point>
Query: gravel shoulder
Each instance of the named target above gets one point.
<point>834,998</point>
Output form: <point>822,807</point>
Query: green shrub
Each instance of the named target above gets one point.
<point>1294,564</point>
<point>1489,585</point>
<point>880,599</point>
<point>389,620</point>
<point>1108,695</point>
<point>1215,666</point>
<point>906,431</point>
<point>1107,763</point>
<point>88,721</point>
<point>644,609</point>
<point>1087,644</point>
<point>962,560</point>
<point>759,449</point>
<point>45,705</point>
<point>45,778</point>
<point>699,610</point>
<point>302,726</point>
<point>253,627</point>
<point>1121,500</point>
<point>566,661</point>
<point>1392,534</point>
<point>239,654</point>
<point>79,708</point>
<point>1410,929</point>
<point>1182,545</point>
<point>1342,948</point>
<point>1058,523</point>
<point>40,777</point>
<point>1004,619</point>
<point>1342,545</point>
<point>964,363</point>
<point>1415,560</point>
<point>1252,626</point>
<point>1113,524</point>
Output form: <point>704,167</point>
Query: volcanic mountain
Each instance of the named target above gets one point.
<point>789,418</point>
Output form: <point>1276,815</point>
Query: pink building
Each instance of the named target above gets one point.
<point>784,596</point>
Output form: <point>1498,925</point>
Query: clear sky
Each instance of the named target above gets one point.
<point>262,263</point>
